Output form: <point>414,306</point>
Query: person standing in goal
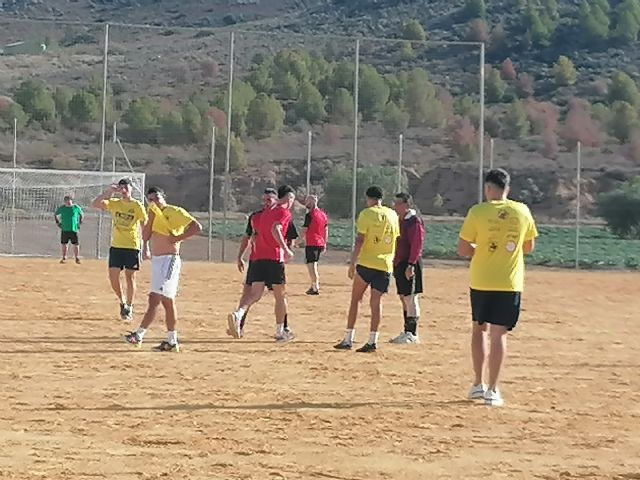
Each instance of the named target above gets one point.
<point>316,235</point>
<point>128,214</point>
<point>167,228</point>
<point>407,266</point>
<point>68,217</point>
<point>496,234</point>
<point>371,265</point>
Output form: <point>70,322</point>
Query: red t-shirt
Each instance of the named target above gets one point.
<point>316,222</point>
<point>252,226</point>
<point>266,246</point>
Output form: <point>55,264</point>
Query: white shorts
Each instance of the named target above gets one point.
<point>165,275</point>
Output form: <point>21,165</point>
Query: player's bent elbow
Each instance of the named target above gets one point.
<point>529,246</point>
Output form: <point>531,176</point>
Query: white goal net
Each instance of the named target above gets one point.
<point>30,197</point>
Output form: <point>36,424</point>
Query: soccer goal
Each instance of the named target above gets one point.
<point>29,198</point>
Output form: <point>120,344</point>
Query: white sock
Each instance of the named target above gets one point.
<point>240,312</point>
<point>140,332</point>
<point>279,329</point>
<point>373,338</point>
<point>350,335</point>
<point>172,337</point>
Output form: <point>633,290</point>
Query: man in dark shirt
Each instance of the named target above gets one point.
<point>407,266</point>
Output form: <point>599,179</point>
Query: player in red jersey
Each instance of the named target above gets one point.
<point>269,254</point>
<point>316,234</point>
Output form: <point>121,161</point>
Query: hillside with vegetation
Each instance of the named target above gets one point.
<point>557,73</point>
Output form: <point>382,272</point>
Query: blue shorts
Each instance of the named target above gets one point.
<point>376,279</point>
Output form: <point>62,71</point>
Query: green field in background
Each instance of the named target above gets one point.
<point>555,247</point>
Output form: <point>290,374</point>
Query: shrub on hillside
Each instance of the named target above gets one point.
<point>623,88</point>
<point>394,120</point>
<point>413,30</point>
<point>621,209</point>
<point>265,116</point>
<point>463,139</point>
<point>508,71</point>
<point>580,127</point>
<point>564,72</point>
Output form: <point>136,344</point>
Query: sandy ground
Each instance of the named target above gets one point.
<point>78,403</point>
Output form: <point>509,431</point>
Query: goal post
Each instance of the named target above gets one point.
<point>30,197</point>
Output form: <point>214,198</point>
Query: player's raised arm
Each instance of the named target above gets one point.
<point>102,201</point>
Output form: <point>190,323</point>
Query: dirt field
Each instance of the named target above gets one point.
<point>77,403</point>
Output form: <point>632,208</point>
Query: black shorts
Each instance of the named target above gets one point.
<point>376,279</point>
<point>124,258</point>
<point>251,272</point>
<point>496,308</point>
<point>269,272</point>
<point>408,287</point>
<point>69,237</point>
<point>312,254</point>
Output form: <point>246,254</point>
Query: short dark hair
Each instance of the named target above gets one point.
<point>374,192</point>
<point>270,191</point>
<point>404,197</point>
<point>156,190</point>
<point>125,181</point>
<point>285,190</point>
<point>498,177</point>
<point>68,197</point>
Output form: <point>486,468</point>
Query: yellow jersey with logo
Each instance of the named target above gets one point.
<point>126,215</point>
<point>170,220</point>
<point>380,227</point>
<point>499,230</point>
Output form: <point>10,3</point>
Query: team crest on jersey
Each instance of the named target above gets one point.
<point>503,215</point>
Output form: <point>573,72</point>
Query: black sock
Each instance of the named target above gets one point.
<point>411,325</point>
<point>243,319</point>
<point>286,324</point>
<point>404,314</point>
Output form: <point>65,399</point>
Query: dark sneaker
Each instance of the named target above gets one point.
<point>367,347</point>
<point>78,261</point>
<point>167,347</point>
<point>343,345</point>
<point>63,260</point>
<point>132,338</point>
<point>312,291</point>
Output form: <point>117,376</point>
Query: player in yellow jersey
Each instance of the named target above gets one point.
<point>371,265</point>
<point>167,228</point>
<point>496,235</point>
<point>128,215</point>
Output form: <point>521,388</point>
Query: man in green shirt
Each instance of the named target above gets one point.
<point>68,218</point>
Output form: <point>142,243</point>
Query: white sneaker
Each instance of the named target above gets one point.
<point>286,336</point>
<point>493,398</point>
<point>405,338</point>
<point>233,322</point>
<point>477,392</point>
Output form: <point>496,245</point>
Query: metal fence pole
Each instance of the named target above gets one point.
<point>13,186</point>
<point>354,185</point>
<point>309,140</point>
<point>103,127</point>
<point>400,155</point>
<point>114,140</point>
<point>225,189</point>
<point>211,178</point>
<point>491,152</point>
<point>578,200</point>
<point>481,128</point>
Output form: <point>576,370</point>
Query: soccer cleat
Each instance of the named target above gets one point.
<point>167,347</point>
<point>405,338</point>
<point>343,345</point>
<point>78,261</point>
<point>126,312</point>
<point>233,325</point>
<point>367,348</point>
<point>493,398</point>
<point>312,291</point>
<point>477,392</point>
<point>63,260</point>
<point>132,338</point>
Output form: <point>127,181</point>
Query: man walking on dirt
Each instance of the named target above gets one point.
<point>496,235</point>
<point>128,215</point>
<point>316,235</point>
